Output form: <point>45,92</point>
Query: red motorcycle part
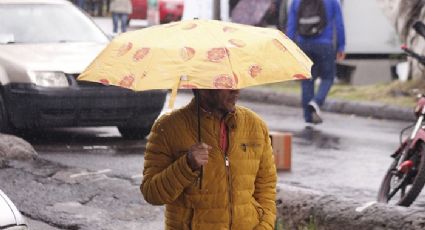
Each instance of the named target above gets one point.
<point>405,166</point>
<point>419,105</point>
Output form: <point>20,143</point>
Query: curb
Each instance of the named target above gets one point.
<point>299,208</point>
<point>364,109</point>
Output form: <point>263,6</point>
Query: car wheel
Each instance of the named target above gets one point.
<point>5,126</point>
<point>134,133</point>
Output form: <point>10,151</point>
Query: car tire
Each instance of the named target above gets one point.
<point>134,133</point>
<point>5,126</point>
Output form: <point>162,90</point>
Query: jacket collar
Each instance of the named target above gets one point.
<point>229,119</point>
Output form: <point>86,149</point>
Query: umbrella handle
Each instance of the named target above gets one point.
<point>173,96</point>
<point>198,108</point>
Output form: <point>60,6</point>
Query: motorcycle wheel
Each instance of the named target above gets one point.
<point>405,186</point>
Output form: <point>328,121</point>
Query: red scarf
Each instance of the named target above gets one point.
<point>223,136</point>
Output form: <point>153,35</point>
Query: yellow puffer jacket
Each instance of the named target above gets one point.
<point>238,196</point>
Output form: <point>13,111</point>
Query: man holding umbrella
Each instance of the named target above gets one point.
<point>238,187</point>
<point>210,162</point>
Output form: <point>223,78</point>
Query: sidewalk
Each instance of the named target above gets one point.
<point>364,109</point>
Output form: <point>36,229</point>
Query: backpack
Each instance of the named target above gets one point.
<point>311,17</point>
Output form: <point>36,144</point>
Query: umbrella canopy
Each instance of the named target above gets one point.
<point>203,54</point>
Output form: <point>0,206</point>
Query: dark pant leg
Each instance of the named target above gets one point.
<point>326,64</point>
<point>124,18</point>
<point>115,22</point>
<point>308,86</point>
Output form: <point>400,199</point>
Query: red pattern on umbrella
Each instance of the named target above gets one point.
<point>104,81</point>
<point>224,81</point>
<point>140,54</point>
<point>279,45</point>
<point>299,77</point>
<point>188,86</point>
<point>187,53</point>
<point>255,70</point>
<point>217,54</point>
<point>127,81</point>
<point>125,48</point>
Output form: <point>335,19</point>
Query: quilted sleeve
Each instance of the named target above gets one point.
<point>164,178</point>
<point>265,185</point>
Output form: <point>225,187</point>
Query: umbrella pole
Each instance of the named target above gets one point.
<point>198,108</point>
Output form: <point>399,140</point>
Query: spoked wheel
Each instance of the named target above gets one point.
<point>401,187</point>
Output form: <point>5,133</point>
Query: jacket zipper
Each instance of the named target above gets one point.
<point>229,184</point>
<point>229,178</point>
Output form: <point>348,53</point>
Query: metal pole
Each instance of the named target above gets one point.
<point>217,9</point>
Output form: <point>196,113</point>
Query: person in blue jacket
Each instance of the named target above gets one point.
<point>322,51</point>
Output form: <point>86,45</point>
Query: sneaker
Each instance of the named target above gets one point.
<point>315,112</point>
<point>308,125</point>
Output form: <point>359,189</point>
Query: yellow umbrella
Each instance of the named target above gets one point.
<point>203,54</point>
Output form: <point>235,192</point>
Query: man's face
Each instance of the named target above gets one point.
<point>222,100</point>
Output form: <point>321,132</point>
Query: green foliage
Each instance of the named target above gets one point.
<point>312,225</point>
<point>279,224</point>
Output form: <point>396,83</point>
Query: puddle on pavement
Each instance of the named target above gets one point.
<point>83,140</point>
<point>309,136</point>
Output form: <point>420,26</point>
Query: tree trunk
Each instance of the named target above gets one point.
<point>402,15</point>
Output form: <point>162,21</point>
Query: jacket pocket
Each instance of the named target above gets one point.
<point>258,208</point>
<point>250,146</point>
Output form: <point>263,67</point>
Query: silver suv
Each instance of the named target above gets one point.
<point>44,45</point>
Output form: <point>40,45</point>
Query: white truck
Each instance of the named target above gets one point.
<point>372,43</point>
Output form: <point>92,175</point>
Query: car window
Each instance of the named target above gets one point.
<point>46,23</point>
